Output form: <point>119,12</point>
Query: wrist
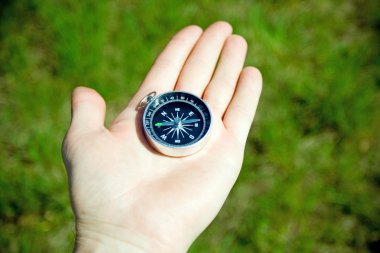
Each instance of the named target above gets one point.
<point>96,237</point>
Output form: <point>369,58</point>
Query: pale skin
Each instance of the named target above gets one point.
<point>126,196</point>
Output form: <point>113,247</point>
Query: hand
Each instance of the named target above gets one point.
<point>129,198</point>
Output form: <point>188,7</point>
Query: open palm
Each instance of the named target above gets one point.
<point>128,197</point>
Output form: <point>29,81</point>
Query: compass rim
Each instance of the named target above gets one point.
<point>160,145</point>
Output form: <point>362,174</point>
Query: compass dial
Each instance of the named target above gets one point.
<point>177,119</point>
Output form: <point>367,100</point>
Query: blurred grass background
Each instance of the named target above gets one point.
<point>310,179</point>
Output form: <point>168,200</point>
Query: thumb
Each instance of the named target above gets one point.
<point>87,109</point>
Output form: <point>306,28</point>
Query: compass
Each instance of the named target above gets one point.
<point>176,123</point>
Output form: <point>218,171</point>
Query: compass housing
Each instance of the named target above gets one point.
<point>177,123</point>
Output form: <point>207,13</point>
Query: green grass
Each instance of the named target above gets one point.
<point>310,178</point>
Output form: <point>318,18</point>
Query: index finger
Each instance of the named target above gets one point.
<point>165,71</point>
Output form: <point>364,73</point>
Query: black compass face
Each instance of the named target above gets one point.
<point>177,119</point>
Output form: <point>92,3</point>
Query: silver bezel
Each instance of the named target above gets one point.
<point>176,151</point>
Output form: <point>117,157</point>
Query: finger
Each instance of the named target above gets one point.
<point>88,109</point>
<point>200,65</point>
<point>241,111</point>
<point>165,70</point>
<point>221,88</point>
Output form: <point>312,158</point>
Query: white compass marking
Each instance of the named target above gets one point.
<point>183,136</point>
<point>188,128</point>
<point>167,128</point>
<point>186,117</point>
<point>169,118</point>
<point>172,116</point>
<point>170,131</point>
<point>185,131</point>
<point>173,133</point>
<point>177,131</point>
<point>181,116</point>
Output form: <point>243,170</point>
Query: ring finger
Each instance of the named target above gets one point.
<point>222,86</point>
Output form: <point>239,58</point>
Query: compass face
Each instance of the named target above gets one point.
<point>177,119</point>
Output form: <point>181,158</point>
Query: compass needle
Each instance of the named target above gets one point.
<point>190,121</point>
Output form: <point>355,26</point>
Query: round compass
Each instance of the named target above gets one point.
<point>176,123</point>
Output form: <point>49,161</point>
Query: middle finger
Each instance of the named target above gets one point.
<point>200,65</point>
